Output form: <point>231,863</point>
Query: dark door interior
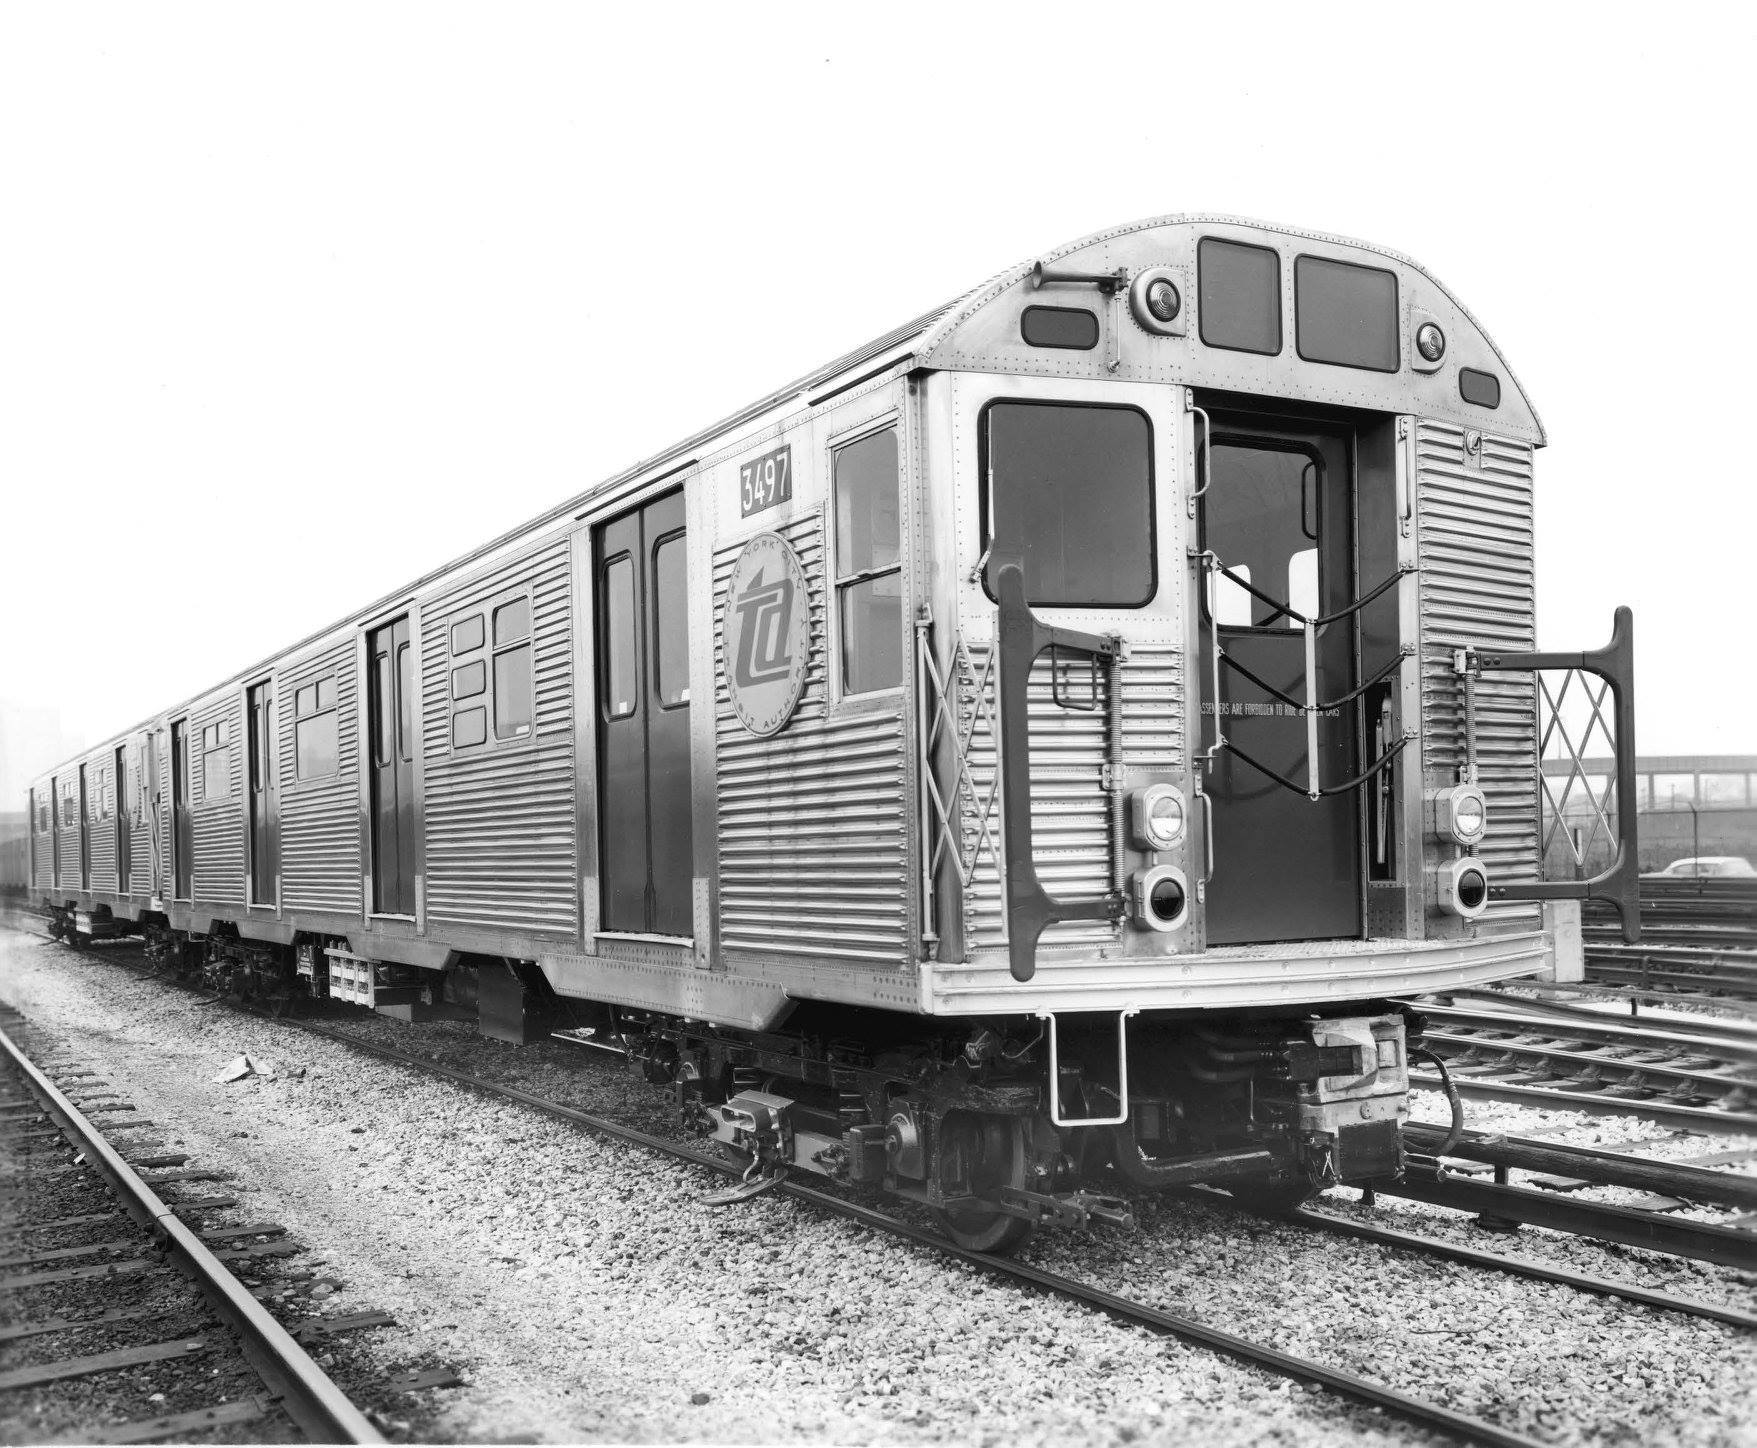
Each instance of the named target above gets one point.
<point>262,861</point>
<point>389,690</point>
<point>1278,511</point>
<point>182,827</point>
<point>85,834</point>
<point>55,831</point>
<point>646,840</point>
<point>124,826</point>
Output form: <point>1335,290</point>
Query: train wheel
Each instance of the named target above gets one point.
<point>992,1151</point>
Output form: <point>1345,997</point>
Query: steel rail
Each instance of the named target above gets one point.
<point>1737,1030</point>
<point>1526,1267</point>
<point>1606,1030</point>
<point>1733,1190</point>
<point>321,1410</point>
<point>1425,1180</point>
<point>1596,1103</point>
<point>1351,1385</point>
<point>1573,1056</point>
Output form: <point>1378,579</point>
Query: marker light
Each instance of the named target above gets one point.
<point>1156,302</point>
<point>1461,887</point>
<point>1461,814</point>
<point>1162,900</point>
<point>1157,814</point>
<point>1430,341</point>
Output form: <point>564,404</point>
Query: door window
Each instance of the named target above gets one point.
<point>620,658</point>
<point>1069,487</point>
<point>671,620</point>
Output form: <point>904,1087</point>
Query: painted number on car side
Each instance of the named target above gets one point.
<point>766,481</point>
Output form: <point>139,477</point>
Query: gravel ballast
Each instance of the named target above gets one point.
<point>583,1292</point>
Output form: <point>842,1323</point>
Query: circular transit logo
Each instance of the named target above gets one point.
<point>767,629</point>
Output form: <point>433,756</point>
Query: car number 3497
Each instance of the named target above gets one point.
<point>763,482</point>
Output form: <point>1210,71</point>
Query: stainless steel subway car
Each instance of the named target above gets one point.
<point>1041,747</point>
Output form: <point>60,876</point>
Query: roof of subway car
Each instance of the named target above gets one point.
<point>926,332</point>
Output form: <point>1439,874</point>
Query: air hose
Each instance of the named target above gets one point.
<point>1421,1053</point>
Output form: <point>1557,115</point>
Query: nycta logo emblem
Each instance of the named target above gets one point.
<point>766,626</point>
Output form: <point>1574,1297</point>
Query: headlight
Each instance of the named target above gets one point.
<point>1162,899</point>
<point>1430,341</point>
<point>1157,814</point>
<point>1461,814</point>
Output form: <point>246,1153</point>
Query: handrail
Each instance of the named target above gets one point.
<point>1207,450</point>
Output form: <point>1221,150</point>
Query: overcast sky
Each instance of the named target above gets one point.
<point>297,302</point>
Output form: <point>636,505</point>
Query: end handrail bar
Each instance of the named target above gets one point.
<point>1620,885</point>
<point>1022,636</point>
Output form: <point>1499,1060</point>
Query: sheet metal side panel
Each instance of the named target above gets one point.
<point>218,823</point>
<point>140,864</point>
<point>1070,811</point>
<point>43,844</point>
<point>103,828</point>
<point>320,819</point>
<point>501,832</point>
<point>1478,588</point>
<point>812,823</point>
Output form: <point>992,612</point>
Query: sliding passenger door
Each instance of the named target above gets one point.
<point>390,690</point>
<point>646,842</point>
<point>85,833</point>
<point>182,823</point>
<point>260,802</point>
<point>124,825</point>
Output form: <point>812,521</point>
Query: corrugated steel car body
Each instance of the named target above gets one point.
<point>820,867</point>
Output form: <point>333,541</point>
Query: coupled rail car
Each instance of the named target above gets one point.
<point>1046,743</point>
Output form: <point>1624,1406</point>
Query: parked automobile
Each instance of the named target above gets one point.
<point>1701,865</point>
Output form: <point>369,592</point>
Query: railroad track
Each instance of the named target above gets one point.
<point>1704,970</point>
<point>1568,1061</point>
<point>1141,1314</point>
<point>141,1307</point>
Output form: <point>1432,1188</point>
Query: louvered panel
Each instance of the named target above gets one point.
<point>811,824</point>
<point>1070,811</point>
<point>502,842</point>
<point>103,856</point>
<point>320,818</point>
<point>218,823</point>
<point>1478,589</point>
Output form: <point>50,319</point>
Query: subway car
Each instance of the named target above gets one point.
<point>1047,747</point>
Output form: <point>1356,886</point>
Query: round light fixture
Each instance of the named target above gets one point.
<point>1162,899</point>
<point>1158,816</point>
<point>1163,301</point>
<point>1156,302</point>
<point>1461,814</point>
<point>1430,341</point>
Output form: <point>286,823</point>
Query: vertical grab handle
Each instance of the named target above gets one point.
<point>1207,449</point>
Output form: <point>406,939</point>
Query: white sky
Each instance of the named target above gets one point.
<point>297,302</point>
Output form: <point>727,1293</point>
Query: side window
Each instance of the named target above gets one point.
<point>314,730</point>
<point>512,669</point>
<point>1069,486</point>
<point>491,686</point>
<point>216,761</point>
<point>620,657</point>
<point>869,563</point>
<point>671,620</point>
<point>469,681</point>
